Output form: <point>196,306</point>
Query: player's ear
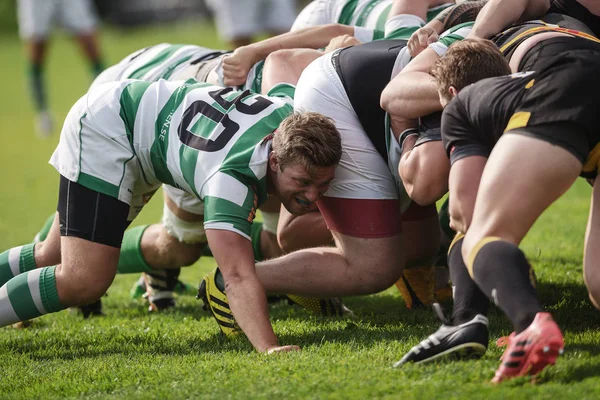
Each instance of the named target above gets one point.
<point>273,162</point>
<point>453,91</point>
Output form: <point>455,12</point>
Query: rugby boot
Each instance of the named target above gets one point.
<point>332,307</point>
<point>416,286</point>
<point>138,290</point>
<point>160,287</point>
<point>92,310</point>
<point>215,301</point>
<point>529,352</point>
<point>464,341</point>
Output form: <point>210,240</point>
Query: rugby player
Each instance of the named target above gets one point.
<point>365,207</point>
<point>216,143</point>
<point>499,14</point>
<point>544,136</point>
<point>35,22</point>
<point>426,168</point>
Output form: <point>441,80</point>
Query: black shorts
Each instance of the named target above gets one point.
<point>365,70</point>
<point>561,106</point>
<point>89,215</point>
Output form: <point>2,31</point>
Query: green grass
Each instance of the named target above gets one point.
<point>180,354</point>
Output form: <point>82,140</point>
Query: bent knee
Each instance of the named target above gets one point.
<point>83,289</point>
<point>375,277</point>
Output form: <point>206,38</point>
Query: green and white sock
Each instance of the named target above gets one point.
<point>15,261</point>
<point>29,295</point>
<point>132,259</point>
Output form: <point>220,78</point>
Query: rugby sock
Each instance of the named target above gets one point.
<point>37,87</point>
<point>505,276</point>
<point>29,295</point>
<point>469,300</point>
<point>131,259</point>
<point>43,233</point>
<point>162,283</point>
<point>15,261</point>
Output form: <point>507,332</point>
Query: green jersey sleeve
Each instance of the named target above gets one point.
<point>285,91</point>
<point>454,34</point>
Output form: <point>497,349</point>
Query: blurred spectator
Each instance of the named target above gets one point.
<point>36,18</point>
<point>239,21</point>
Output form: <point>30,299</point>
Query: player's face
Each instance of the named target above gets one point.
<point>298,190</point>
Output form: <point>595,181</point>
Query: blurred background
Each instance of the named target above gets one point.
<point>30,184</point>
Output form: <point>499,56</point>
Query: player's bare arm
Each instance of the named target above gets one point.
<point>236,66</point>
<point>247,298</point>
<point>452,16</point>
<point>498,14</point>
<point>286,66</point>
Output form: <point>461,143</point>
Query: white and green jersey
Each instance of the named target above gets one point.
<point>454,34</point>
<point>125,138</point>
<point>369,16</point>
<point>161,61</point>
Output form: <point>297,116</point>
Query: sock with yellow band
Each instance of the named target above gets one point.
<point>469,300</point>
<point>503,273</point>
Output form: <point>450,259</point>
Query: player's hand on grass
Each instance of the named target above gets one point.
<point>282,349</point>
<point>237,65</point>
<point>341,41</point>
<point>420,39</point>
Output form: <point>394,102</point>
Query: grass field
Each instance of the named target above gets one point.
<point>180,354</point>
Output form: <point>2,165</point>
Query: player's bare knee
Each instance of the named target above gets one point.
<point>81,289</point>
<point>376,275</point>
<point>46,254</point>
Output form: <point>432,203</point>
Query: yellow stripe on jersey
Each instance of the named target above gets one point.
<point>533,31</point>
<point>518,120</point>
<point>592,164</point>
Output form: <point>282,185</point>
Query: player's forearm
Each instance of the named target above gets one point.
<point>499,14</point>
<point>411,95</point>
<point>313,38</point>
<point>248,303</point>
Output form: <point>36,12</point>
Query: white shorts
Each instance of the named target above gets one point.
<point>36,17</point>
<point>245,18</point>
<point>94,151</point>
<point>362,173</point>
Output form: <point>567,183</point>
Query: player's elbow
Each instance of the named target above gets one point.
<point>424,192</point>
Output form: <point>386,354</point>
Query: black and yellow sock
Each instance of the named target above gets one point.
<point>469,300</point>
<point>506,277</point>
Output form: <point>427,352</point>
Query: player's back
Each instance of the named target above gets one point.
<point>186,133</point>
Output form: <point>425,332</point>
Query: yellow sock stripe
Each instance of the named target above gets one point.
<point>457,237</point>
<point>475,250</point>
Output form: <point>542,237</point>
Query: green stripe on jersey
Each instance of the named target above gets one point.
<point>347,12</point>
<point>98,185</point>
<point>222,214</point>
<point>169,71</point>
<point>380,24</point>
<point>256,86</point>
<point>131,96</point>
<point>362,18</point>
<point>455,34</point>
<point>283,90</point>
<point>160,146</point>
<point>434,11</point>
<point>402,33</point>
<point>160,57</point>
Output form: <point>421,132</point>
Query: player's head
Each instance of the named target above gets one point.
<point>467,62</point>
<point>305,152</point>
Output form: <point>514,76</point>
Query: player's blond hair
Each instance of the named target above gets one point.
<point>307,138</point>
<point>467,62</point>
